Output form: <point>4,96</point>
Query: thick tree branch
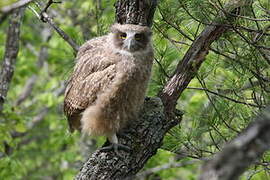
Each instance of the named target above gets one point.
<point>240,153</point>
<point>194,57</point>
<point>11,52</point>
<point>144,137</point>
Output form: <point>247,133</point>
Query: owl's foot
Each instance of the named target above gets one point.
<point>116,148</point>
<point>114,145</point>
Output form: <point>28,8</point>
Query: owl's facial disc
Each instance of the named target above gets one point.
<point>132,41</point>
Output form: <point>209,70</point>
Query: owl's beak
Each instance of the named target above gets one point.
<point>131,44</point>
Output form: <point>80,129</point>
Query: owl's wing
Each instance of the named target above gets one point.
<point>93,73</point>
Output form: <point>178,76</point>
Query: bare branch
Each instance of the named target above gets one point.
<point>50,2</point>
<point>16,5</point>
<point>46,18</point>
<point>240,153</point>
<point>11,52</point>
<point>68,39</point>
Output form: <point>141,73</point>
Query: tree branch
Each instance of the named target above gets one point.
<point>16,5</point>
<point>144,137</point>
<point>194,57</point>
<point>11,52</point>
<point>47,19</point>
<point>240,153</point>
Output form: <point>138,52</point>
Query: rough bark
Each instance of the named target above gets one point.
<point>11,52</point>
<point>243,151</point>
<point>144,138</point>
<point>135,12</point>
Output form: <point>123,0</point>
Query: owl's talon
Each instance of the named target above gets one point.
<point>116,148</point>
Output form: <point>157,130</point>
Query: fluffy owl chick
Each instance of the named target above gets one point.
<point>108,85</point>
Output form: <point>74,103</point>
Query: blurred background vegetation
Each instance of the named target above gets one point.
<point>232,86</point>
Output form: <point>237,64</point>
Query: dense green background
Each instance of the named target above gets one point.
<point>234,68</point>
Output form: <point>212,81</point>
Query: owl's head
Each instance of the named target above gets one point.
<point>131,38</point>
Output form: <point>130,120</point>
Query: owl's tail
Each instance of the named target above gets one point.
<point>94,122</point>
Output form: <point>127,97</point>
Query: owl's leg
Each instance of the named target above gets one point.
<point>115,145</point>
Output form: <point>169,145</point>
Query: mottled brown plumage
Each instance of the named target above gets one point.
<point>107,87</point>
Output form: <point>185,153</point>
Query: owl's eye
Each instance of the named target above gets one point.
<point>138,37</point>
<point>123,35</point>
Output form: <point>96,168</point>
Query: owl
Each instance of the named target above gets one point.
<point>109,81</point>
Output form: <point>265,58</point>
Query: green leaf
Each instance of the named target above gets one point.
<point>20,127</point>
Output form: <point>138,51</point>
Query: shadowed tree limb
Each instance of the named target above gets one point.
<point>144,138</point>
<point>11,52</point>
<point>240,153</point>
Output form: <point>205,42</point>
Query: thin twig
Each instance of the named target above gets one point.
<point>164,167</point>
<point>46,18</point>
<point>226,97</point>
<point>162,68</point>
<point>50,2</point>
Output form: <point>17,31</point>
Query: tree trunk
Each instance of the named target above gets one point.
<point>11,52</point>
<point>135,12</point>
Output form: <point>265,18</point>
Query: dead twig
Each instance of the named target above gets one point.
<point>44,17</point>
